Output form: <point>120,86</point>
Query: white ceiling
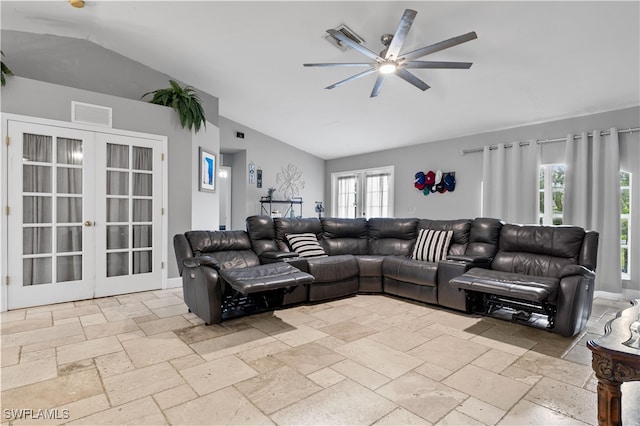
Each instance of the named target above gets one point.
<point>533,62</point>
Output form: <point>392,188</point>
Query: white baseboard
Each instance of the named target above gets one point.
<point>173,282</point>
<point>625,295</point>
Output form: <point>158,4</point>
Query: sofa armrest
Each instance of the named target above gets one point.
<point>204,260</point>
<point>475,260</point>
<point>570,270</point>
<point>574,303</point>
<point>279,255</point>
<point>449,296</point>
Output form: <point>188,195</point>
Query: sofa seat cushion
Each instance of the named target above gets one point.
<point>370,265</point>
<point>333,268</point>
<point>402,268</point>
<point>264,277</point>
<point>508,284</point>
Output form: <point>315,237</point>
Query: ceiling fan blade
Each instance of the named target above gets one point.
<point>353,77</point>
<point>401,34</point>
<point>377,86</point>
<point>438,64</point>
<point>407,76</point>
<point>439,46</point>
<point>340,64</point>
<point>366,52</point>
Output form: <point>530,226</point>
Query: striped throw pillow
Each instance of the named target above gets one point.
<point>432,245</point>
<point>306,245</point>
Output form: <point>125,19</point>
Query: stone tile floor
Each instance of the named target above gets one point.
<point>370,359</point>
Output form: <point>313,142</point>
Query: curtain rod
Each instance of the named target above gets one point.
<point>541,142</point>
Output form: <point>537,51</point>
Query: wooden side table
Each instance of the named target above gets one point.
<point>616,359</point>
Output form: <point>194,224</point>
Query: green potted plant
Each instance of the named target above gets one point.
<point>184,100</point>
<point>5,70</point>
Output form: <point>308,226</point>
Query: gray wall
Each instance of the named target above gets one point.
<point>85,65</point>
<point>205,213</point>
<point>465,201</point>
<point>271,155</point>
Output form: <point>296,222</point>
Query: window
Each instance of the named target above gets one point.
<point>551,194</point>
<point>625,222</point>
<point>363,193</point>
<point>551,206</point>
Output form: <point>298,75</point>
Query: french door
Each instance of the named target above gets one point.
<point>363,193</point>
<point>85,214</point>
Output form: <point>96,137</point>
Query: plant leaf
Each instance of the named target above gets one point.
<point>184,100</point>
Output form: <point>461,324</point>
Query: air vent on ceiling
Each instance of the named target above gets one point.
<point>348,32</point>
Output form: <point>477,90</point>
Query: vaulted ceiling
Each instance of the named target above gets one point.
<point>532,62</point>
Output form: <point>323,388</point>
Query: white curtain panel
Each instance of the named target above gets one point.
<point>510,182</point>
<point>592,198</point>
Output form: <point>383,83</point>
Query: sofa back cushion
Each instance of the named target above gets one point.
<point>391,237</point>
<point>285,225</point>
<point>538,250</point>
<point>344,236</point>
<point>262,234</point>
<point>460,228</point>
<point>232,249</point>
<point>483,237</point>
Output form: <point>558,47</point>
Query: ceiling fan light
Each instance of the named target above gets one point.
<point>388,68</point>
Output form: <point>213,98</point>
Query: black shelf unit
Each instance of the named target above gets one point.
<point>266,206</point>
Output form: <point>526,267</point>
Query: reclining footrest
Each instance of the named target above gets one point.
<point>533,289</point>
<point>265,277</point>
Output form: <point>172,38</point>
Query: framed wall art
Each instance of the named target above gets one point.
<point>207,171</point>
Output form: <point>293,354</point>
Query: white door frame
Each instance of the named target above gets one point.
<point>4,248</point>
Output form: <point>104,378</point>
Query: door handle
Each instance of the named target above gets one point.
<point>88,223</point>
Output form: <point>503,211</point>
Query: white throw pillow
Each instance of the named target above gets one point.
<point>306,245</point>
<point>432,245</point>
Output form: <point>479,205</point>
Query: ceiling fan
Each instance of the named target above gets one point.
<point>391,61</point>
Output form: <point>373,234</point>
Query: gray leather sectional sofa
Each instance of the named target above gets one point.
<point>488,265</point>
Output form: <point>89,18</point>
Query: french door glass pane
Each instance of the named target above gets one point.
<point>117,183</point>
<point>117,156</point>
<point>69,181</point>
<point>142,210</point>
<point>142,184</point>
<point>69,209</point>
<point>117,264</point>
<point>36,271</point>
<point>142,236</point>
<point>142,262</point>
<point>69,239</point>
<point>347,197</point>
<point>63,175</point>
<point>69,151</point>
<point>37,148</point>
<point>36,240</point>
<point>36,209</point>
<point>69,268</point>
<point>128,216</point>
<point>36,178</point>
<point>117,237</point>
<point>377,198</point>
<point>117,210</point>
<point>142,158</point>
